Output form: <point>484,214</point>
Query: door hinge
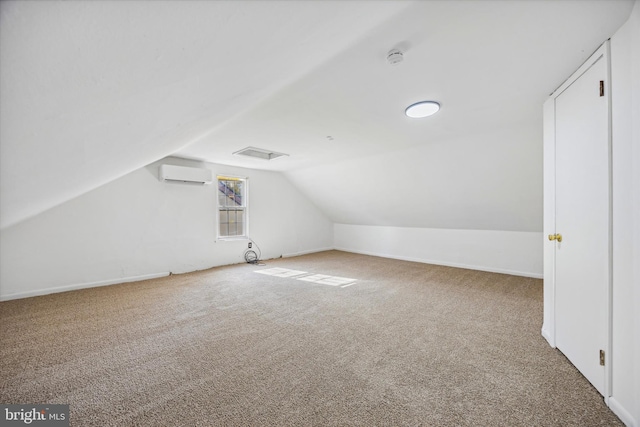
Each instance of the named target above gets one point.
<point>601,357</point>
<point>601,87</point>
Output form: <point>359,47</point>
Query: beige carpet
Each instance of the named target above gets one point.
<point>407,345</point>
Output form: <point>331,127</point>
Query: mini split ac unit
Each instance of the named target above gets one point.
<point>185,174</point>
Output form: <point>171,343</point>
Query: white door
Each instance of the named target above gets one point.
<point>582,219</point>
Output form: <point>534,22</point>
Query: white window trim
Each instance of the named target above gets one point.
<point>246,208</point>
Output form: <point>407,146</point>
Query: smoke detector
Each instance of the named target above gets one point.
<point>394,56</point>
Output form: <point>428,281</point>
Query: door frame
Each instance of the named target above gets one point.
<point>549,209</point>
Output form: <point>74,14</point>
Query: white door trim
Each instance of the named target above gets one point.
<point>549,219</point>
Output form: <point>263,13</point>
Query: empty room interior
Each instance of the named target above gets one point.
<point>271,213</point>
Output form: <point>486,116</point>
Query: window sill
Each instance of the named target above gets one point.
<point>233,238</point>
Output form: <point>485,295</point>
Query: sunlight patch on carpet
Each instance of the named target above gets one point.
<point>281,272</point>
<point>323,279</point>
<point>328,280</point>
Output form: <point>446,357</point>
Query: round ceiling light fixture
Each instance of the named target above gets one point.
<point>422,109</point>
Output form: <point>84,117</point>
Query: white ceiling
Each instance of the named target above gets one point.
<point>489,63</point>
<point>90,91</point>
<point>93,90</point>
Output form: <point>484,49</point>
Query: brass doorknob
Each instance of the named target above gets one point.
<point>557,237</point>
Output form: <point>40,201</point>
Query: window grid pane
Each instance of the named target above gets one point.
<point>230,193</point>
<point>240,222</point>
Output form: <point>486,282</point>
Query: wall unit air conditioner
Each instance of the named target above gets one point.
<point>185,174</point>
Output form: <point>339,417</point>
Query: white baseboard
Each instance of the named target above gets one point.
<point>312,251</point>
<point>547,337</point>
<point>47,291</point>
<point>447,264</point>
<point>622,413</point>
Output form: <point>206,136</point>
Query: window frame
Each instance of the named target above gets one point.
<point>244,207</point>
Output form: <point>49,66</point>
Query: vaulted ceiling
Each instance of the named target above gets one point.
<point>90,91</point>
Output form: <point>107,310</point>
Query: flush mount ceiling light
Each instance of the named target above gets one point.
<point>422,109</point>
<point>259,153</point>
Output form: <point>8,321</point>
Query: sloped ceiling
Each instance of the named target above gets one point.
<point>93,90</point>
<point>90,91</point>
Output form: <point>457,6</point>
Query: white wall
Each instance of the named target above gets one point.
<point>484,181</point>
<point>509,252</point>
<point>137,227</point>
<point>625,80</point>
<point>473,202</point>
<point>635,179</point>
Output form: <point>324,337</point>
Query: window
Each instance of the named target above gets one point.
<point>232,207</point>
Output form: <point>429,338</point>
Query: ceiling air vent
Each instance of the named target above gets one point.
<point>259,153</point>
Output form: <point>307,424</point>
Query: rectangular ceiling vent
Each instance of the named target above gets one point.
<point>185,174</point>
<point>259,153</point>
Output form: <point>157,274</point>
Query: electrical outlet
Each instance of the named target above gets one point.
<point>250,244</point>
